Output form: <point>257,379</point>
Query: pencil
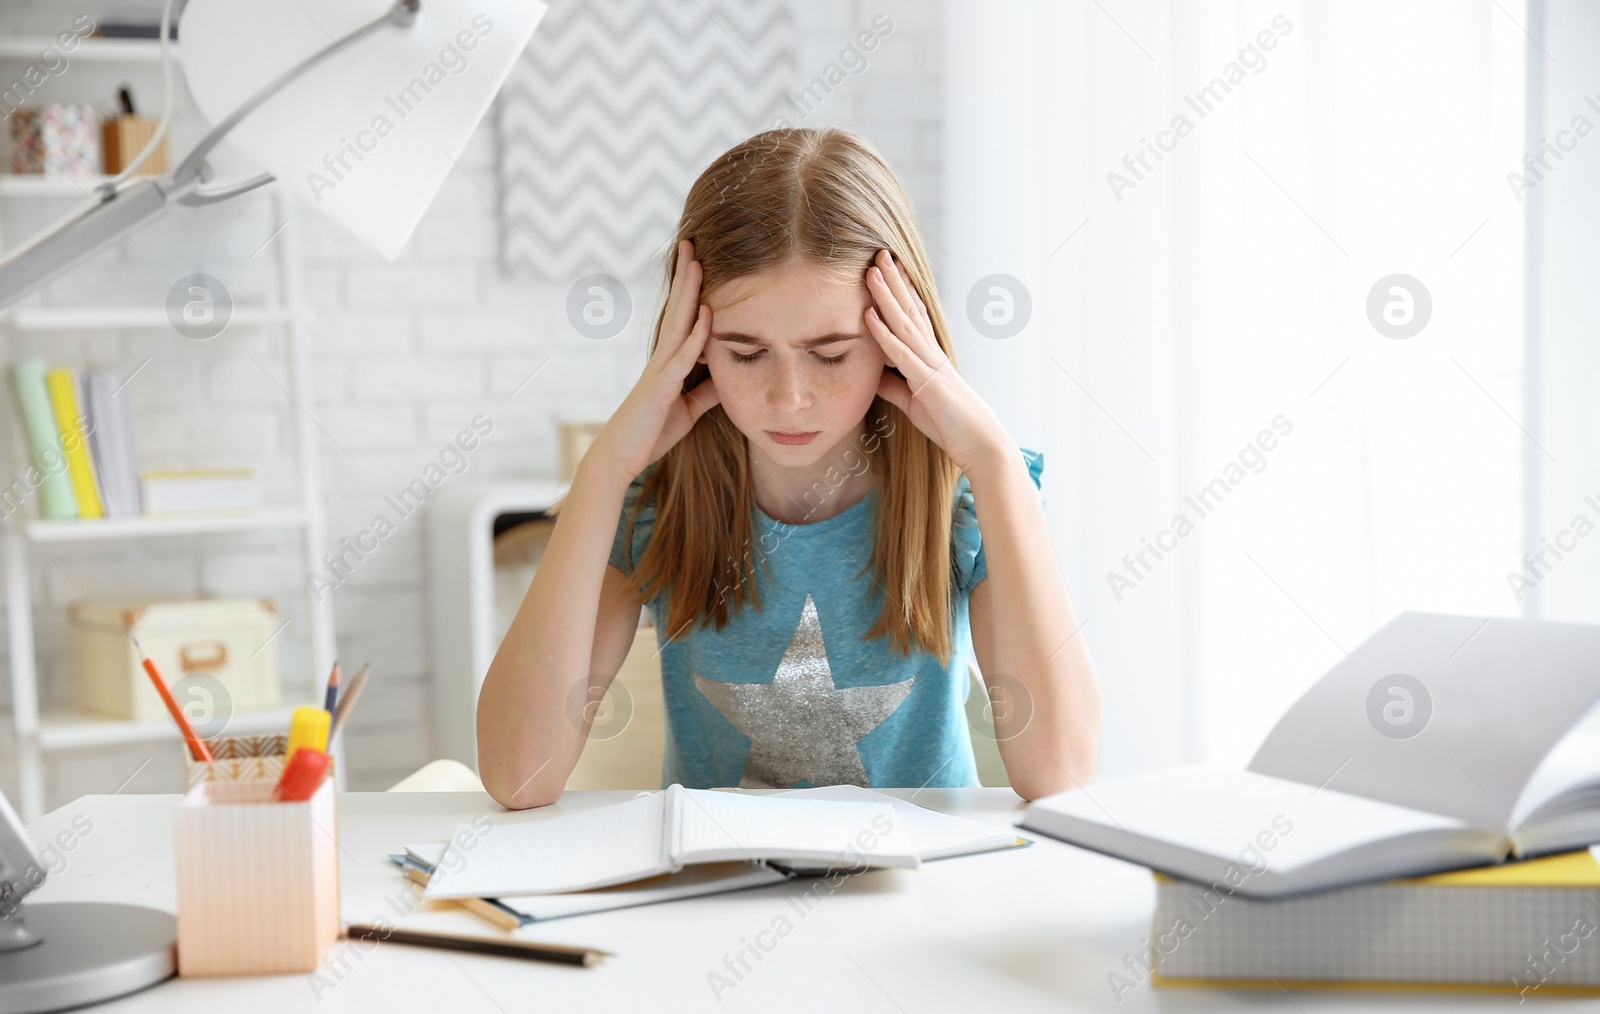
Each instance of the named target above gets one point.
<point>492,914</point>
<point>347,701</point>
<point>197,746</point>
<point>508,948</point>
<point>329,699</point>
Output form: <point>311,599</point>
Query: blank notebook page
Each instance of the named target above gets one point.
<point>727,825</point>
<point>935,835</point>
<point>595,848</point>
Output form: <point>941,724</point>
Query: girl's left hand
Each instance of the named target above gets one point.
<point>936,398</point>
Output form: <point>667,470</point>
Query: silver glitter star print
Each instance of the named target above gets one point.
<point>801,726</point>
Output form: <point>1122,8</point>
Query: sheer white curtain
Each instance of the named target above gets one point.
<point>1198,200</point>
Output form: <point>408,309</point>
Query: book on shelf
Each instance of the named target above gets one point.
<point>84,449</point>
<point>1441,742</point>
<point>74,428</point>
<point>49,472</point>
<point>113,441</point>
<point>200,490</point>
<point>80,439</point>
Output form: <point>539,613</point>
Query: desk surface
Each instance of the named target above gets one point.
<point>1035,928</point>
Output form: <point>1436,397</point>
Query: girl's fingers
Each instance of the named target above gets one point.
<point>906,361</point>
<point>688,299</point>
<point>683,301</point>
<point>674,298</point>
<point>901,308</point>
<point>901,286</point>
<point>683,360</point>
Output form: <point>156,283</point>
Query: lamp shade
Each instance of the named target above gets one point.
<point>367,135</point>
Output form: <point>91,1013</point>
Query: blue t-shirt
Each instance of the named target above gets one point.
<point>793,695</point>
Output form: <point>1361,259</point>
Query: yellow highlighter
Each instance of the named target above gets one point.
<point>309,728</point>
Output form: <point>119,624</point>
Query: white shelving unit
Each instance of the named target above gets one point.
<point>27,47</point>
<point>40,733</point>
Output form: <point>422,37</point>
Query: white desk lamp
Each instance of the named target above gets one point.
<point>361,113</point>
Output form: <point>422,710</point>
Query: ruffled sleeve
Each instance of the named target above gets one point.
<point>625,554</point>
<point>971,567</point>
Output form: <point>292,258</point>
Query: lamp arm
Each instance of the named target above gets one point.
<point>403,14</point>
<point>211,195</point>
<point>116,208</point>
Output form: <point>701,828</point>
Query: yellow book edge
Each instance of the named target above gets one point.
<point>197,473</point>
<point>1369,985</point>
<point>74,442</point>
<point>1566,869</point>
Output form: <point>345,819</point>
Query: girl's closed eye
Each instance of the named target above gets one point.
<point>752,357</point>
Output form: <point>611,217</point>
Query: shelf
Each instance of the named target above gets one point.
<point>61,730</point>
<point>145,525</point>
<point>40,185</point>
<point>77,187</point>
<point>27,47</point>
<point>62,318</point>
<point>42,741</point>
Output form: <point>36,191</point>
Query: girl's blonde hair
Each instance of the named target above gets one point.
<point>823,195</point>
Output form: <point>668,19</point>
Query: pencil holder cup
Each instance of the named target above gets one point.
<point>240,759</point>
<point>257,880</point>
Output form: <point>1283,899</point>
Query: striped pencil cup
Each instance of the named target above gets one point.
<point>258,880</point>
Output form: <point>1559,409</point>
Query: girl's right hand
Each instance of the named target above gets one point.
<point>657,414</point>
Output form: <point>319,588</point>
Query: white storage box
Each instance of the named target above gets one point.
<point>228,640</point>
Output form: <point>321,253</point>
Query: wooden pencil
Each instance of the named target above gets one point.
<point>490,913</point>
<point>508,947</point>
<point>347,700</point>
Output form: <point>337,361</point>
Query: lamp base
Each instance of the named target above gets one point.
<point>89,952</point>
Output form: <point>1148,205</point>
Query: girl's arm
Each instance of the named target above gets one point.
<point>1027,640</point>
<point>578,619</point>
<point>1047,704</point>
<point>565,645</point>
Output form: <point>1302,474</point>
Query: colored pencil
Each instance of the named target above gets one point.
<point>332,696</point>
<point>347,701</point>
<point>197,746</point>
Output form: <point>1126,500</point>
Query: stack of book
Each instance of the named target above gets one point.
<point>1527,928</point>
<point>1420,818</point>
<point>85,458</point>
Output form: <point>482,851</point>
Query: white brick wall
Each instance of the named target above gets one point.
<point>404,355</point>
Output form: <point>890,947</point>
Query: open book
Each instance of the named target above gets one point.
<point>1439,743</point>
<point>658,834</point>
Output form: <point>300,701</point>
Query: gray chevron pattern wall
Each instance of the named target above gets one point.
<point>614,109</point>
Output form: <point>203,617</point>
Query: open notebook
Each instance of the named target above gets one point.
<point>685,842</point>
<point>1441,742</point>
<point>690,882</point>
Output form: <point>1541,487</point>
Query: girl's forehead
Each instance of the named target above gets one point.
<point>796,291</point>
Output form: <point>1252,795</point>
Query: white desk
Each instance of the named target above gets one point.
<point>1035,928</point>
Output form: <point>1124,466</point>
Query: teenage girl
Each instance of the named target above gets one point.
<point>824,519</point>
